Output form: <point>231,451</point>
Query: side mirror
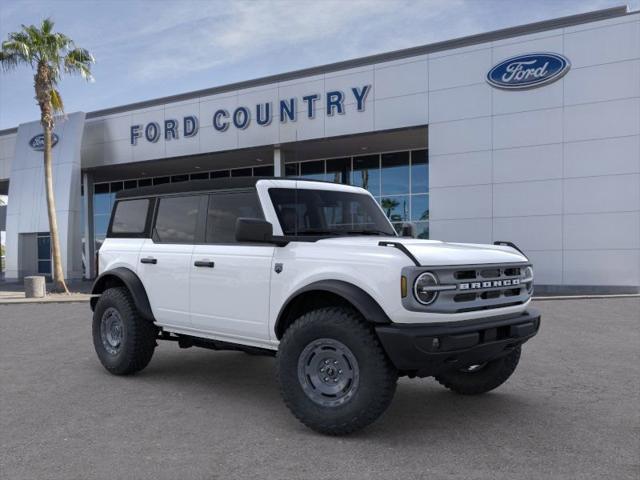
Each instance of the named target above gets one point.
<point>408,230</point>
<point>254,230</point>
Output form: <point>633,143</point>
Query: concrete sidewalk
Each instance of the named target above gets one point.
<point>13,292</point>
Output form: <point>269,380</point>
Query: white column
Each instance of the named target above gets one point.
<point>89,241</point>
<point>278,163</point>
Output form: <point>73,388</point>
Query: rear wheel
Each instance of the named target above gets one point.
<point>333,373</point>
<point>481,378</point>
<point>123,340</point>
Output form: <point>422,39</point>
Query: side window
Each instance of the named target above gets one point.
<point>177,219</point>
<point>130,217</point>
<point>224,210</point>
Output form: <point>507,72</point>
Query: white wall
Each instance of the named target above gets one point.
<point>555,169</point>
<point>7,150</point>
<point>398,98</point>
<point>27,208</point>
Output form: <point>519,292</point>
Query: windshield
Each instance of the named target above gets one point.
<point>328,212</point>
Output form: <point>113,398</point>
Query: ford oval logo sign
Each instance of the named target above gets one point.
<point>528,71</point>
<point>37,142</point>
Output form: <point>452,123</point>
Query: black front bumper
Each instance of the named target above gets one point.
<point>428,349</point>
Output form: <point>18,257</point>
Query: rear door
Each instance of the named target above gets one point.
<point>229,281</point>
<point>165,259</point>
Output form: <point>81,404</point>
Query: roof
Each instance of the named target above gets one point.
<point>229,183</point>
<point>378,58</point>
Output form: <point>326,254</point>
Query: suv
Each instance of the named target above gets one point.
<point>314,274</point>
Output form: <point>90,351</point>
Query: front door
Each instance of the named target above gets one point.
<point>165,259</point>
<point>229,281</point>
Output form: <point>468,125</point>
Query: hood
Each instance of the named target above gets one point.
<point>437,253</point>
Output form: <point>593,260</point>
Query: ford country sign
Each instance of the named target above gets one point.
<point>528,71</point>
<point>37,142</point>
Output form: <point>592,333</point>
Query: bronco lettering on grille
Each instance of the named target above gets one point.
<point>488,284</point>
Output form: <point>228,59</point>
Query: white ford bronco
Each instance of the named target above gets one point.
<point>314,274</point>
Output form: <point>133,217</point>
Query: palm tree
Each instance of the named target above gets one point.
<point>50,55</point>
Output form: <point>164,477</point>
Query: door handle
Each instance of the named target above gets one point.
<point>204,263</point>
<point>149,260</point>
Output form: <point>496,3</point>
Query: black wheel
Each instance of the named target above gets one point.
<point>123,340</point>
<point>482,378</point>
<point>333,374</point>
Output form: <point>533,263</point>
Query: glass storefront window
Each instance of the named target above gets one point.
<point>116,187</point>
<point>395,173</point>
<point>44,253</point>
<point>161,180</point>
<point>339,170</point>
<point>220,174</point>
<point>312,170</point>
<point>419,208</point>
<point>292,169</point>
<point>422,230</point>
<point>241,172</point>
<point>264,171</point>
<point>396,208</point>
<point>419,171</point>
<point>200,176</point>
<point>366,173</point>
<point>399,181</point>
<point>100,224</point>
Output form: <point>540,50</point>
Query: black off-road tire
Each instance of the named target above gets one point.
<point>377,377</point>
<point>488,377</point>
<point>138,336</point>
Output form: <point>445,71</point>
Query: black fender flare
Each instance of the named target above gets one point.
<point>133,284</point>
<point>356,296</point>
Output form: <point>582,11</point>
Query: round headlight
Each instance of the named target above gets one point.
<point>421,288</point>
<point>528,274</point>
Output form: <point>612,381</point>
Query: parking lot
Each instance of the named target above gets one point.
<point>570,411</point>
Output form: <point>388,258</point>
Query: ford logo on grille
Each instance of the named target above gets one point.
<point>528,71</point>
<point>37,142</point>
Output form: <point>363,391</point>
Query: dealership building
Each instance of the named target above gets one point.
<point>529,134</point>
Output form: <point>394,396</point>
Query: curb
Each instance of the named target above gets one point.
<point>22,301</point>
<point>585,297</point>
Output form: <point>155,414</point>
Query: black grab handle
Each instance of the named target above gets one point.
<point>204,263</point>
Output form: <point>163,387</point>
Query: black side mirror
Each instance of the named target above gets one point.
<point>254,230</point>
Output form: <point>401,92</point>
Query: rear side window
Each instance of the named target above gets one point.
<point>177,219</point>
<point>130,217</point>
<point>225,209</point>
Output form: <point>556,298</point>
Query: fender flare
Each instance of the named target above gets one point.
<point>133,284</point>
<point>361,300</point>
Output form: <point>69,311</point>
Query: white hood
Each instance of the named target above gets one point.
<point>436,253</point>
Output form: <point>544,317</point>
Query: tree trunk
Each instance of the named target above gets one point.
<point>59,284</point>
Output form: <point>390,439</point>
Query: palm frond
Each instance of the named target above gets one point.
<point>79,61</point>
<point>56,101</point>
<point>47,26</point>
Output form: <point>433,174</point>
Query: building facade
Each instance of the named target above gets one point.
<point>529,134</point>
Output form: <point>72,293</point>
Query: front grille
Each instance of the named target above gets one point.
<point>482,287</point>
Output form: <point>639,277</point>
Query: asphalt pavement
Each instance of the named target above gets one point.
<point>571,410</point>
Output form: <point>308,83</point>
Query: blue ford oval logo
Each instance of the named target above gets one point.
<point>37,142</point>
<point>528,71</point>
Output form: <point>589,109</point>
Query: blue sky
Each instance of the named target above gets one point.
<point>149,49</point>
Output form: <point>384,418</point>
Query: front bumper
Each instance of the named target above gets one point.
<point>428,349</point>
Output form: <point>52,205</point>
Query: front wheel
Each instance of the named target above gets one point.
<point>123,340</point>
<point>333,374</point>
<point>482,378</point>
